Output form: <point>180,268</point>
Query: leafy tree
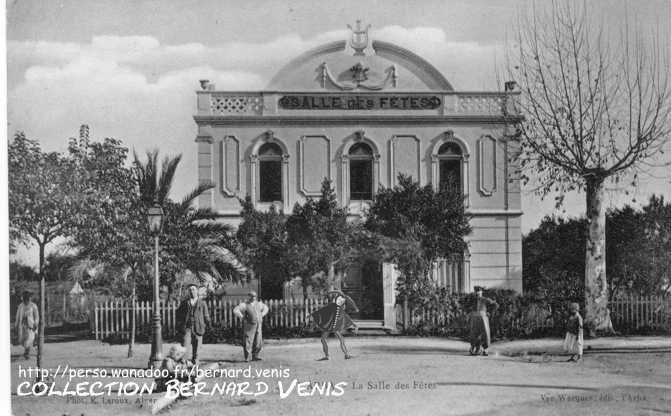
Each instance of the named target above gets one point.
<point>627,249</point>
<point>658,230</point>
<point>113,235</point>
<point>553,264</point>
<point>639,248</point>
<point>192,238</point>
<point>638,252</point>
<point>110,231</point>
<point>317,237</point>
<point>57,265</point>
<point>42,198</point>
<point>22,272</point>
<point>110,227</point>
<point>263,246</point>
<point>595,111</point>
<point>416,226</point>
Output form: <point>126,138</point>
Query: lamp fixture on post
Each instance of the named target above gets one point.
<point>155,220</point>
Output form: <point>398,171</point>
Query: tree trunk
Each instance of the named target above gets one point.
<point>131,342</point>
<point>597,314</point>
<point>43,315</point>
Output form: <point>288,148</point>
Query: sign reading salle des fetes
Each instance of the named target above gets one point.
<point>359,102</point>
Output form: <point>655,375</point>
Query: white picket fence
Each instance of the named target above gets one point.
<point>628,312</point>
<point>114,318</point>
<point>635,312</point>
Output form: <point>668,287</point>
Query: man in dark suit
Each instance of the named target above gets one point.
<point>193,318</point>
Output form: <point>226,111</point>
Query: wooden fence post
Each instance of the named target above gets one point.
<point>112,317</point>
<point>95,318</point>
<point>405,314</point>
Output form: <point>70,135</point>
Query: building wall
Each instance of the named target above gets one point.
<point>226,154</point>
<point>224,157</point>
<point>326,99</point>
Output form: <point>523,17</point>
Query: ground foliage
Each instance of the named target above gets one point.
<point>413,226</point>
<point>262,245</point>
<point>638,253</point>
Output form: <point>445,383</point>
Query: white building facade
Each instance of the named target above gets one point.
<point>359,112</point>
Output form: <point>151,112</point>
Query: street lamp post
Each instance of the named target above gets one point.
<point>155,219</point>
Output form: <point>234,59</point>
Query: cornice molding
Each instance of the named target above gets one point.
<point>472,212</point>
<point>494,212</point>
<point>348,119</point>
<point>201,138</point>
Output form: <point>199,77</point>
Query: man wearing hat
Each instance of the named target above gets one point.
<point>27,319</point>
<point>193,318</point>
<point>479,322</point>
<point>252,312</point>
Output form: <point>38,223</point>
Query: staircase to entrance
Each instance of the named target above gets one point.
<point>372,327</point>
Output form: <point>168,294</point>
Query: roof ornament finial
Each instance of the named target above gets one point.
<point>359,43</point>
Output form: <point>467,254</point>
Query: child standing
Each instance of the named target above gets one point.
<point>574,338</point>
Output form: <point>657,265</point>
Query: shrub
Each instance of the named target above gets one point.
<point>220,333</point>
<point>516,316</point>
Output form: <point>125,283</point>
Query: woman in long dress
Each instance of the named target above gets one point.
<point>574,333</point>
<point>334,318</point>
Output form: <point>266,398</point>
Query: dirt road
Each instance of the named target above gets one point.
<point>388,376</point>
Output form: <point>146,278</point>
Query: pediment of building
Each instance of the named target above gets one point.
<point>381,67</point>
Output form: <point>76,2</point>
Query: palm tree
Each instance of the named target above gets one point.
<point>184,224</point>
<point>193,239</point>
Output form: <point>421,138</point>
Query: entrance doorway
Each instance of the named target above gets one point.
<point>363,283</point>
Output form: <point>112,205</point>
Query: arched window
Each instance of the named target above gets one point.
<point>450,160</point>
<point>361,172</point>
<point>270,173</point>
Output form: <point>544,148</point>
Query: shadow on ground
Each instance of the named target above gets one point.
<point>513,385</point>
<point>620,400</point>
<point>391,349</point>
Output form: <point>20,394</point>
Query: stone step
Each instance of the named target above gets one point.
<point>365,324</point>
<point>372,332</point>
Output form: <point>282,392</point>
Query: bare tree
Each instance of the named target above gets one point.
<point>597,109</point>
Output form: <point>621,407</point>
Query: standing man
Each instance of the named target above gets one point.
<point>27,319</point>
<point>479,332</point>
<point>252,313</point>
<point>193,318</point>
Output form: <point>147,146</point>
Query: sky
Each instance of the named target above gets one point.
<point>130,69</point>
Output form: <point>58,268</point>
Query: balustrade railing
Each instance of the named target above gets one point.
<point>236,104</point>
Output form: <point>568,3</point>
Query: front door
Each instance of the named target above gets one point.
<point>363,283</point>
